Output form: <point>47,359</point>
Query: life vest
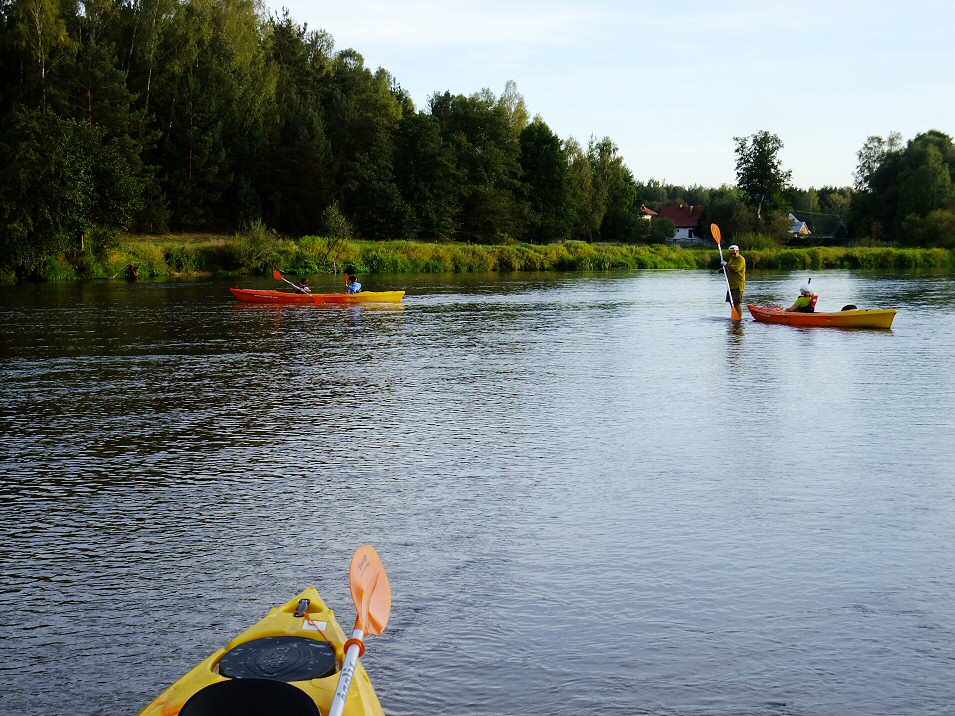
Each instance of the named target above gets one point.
<point>811,308</point>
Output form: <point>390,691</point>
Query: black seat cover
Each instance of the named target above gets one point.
<point>250,697</point>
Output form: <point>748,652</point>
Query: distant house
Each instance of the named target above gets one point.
<point>798,227</point>
<point>646,213</point>
<point>687,220</point>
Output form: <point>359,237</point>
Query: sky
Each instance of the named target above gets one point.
<point>672,83</point>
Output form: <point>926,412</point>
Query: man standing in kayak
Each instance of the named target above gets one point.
<point>736,273</point>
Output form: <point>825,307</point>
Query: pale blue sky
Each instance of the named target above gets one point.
<point>672,83</point>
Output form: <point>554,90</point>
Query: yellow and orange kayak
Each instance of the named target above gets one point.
<point>251,295</point>
<point>288,663</point>
<point>853,318</point>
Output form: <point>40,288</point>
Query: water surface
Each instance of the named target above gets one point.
<point>593,493</point>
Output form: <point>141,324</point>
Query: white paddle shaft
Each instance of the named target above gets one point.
<point>346,676</point>
<point>726,276</point>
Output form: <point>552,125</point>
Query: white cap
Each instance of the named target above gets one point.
<point>805,289</point>
<point>734,247</point>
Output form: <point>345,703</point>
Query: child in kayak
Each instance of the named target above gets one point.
<point>351,280</point>
<point>806,303</point>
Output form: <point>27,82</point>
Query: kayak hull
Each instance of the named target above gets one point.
<point>318,627</point>
<point>856,318</point>
<point>251,295</point>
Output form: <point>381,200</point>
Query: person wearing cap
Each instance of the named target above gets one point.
<point>806,303</point>
<point>736,274</point>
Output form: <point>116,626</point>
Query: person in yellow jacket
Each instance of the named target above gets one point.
<point>736,273</point>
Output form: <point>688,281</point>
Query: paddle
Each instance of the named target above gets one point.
<point>737,311</point>
<point>371,592</point>
<point>279,277</point>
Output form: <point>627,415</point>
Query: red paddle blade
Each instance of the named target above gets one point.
<point>715,230</point>
<point>277,275</point>
<point>370,590</point>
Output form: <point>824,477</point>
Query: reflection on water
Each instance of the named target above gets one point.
<point>594,494</point>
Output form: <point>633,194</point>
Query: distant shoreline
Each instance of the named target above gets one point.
<point>194,255</point>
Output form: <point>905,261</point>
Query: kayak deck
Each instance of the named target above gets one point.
<point>251,295</point>
<point>293,656</point>
<point>855,318</point>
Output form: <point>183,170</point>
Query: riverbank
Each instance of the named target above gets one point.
<point>259,251</point>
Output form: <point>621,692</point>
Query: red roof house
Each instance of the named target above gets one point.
<point>687,220</point>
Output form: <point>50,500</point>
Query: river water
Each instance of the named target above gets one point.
<point>594,494</point>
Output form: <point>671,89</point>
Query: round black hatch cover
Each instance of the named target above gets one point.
<point>280,658</point>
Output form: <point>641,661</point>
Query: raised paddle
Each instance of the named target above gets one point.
<point>279,277</point>
<point>371,592</point>
<point>737,311</point>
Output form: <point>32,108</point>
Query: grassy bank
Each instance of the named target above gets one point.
<point>259,251</point>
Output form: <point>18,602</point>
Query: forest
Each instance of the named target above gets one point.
<point>158,116</point>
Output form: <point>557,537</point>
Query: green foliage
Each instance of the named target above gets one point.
<point>486,148</point>
<point>937,228</point>
<point>547,183</point>
<point>825,209</point>
<point>657,231</point>
<point>199,114</point>
<point>257,249</point>
<point>900,187</point>
<point>850,258</point>
<point>100,240</point>
<point>752,240</point>
<point>759,173</point>
<point>59,180</point>
<point>616,192</point>
<point>336,226</point>
<point>193,259</point>
<point>428,176</point>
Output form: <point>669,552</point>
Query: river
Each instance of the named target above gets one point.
<point>594,494</point>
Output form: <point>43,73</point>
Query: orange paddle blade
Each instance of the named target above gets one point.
<point>715,230</point>
<point>277,275</point>
<point>370,590</point>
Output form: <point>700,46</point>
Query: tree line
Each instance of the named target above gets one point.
<point>184,115</point>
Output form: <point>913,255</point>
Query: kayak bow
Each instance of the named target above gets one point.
<point>288,664</point>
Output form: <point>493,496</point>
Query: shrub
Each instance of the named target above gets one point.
<point>257,249</point>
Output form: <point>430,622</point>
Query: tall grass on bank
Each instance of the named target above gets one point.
<point>308,255</point>
<point>858,257</point>
<point>257,250</point>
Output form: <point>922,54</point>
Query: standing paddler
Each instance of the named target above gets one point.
<point>736,276</point>
<point>735,267</point>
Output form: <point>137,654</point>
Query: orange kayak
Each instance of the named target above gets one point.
<point>855,318</point>
<point>251,295</point>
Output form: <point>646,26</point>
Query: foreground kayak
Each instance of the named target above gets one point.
<point>855,318</point>
<point>288,664</point>
<point>251,295</point>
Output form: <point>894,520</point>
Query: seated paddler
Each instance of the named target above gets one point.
<point>806,302</point>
